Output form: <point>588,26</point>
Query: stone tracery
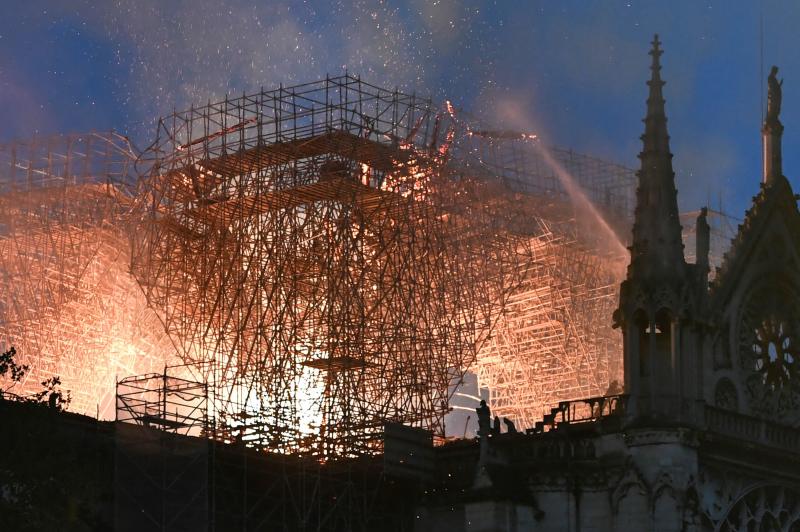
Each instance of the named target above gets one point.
<point>768,349</point>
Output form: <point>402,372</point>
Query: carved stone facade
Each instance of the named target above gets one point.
<point>707,435</point>
<point>755,302</point>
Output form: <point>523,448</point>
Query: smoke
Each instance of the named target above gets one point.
<point>607,238</point>
<point>577,69</point>
<point>188,52</point>
<point>516,111</point>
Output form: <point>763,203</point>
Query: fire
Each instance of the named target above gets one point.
<point>320,276</point>
<point>100,334</point>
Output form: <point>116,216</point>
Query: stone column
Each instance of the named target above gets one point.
<point>771,135</point>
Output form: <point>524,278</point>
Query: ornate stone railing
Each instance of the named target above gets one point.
<point>750,428</point>
<point>583,411</point>
<point>714,420</point>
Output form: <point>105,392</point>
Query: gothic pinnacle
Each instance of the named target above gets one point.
<point>657,245</point>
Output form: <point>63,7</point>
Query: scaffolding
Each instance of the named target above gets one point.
<point>68,305</point>
<point>554,342</point>
<point>162,455</point>
<point>168,401</point>
<point>326,257</point>
<point>316,249</point>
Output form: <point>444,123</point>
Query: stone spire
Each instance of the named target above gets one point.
<point>660,303</point>
<point>657,248</point>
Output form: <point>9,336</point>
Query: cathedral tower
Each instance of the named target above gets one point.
<point>663,297</point>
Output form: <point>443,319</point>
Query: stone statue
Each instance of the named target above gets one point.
<point>484,416</point>
<point>774,96</point>
<point>496,426</point>
<point>510,427</point>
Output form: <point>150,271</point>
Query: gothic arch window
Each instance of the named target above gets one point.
<point>663,332</point>
<point>631,509</point>
<point>664,321</point>
<point>666,510</point>
<point>769,349</point>
<point>725,395</point>
<point>764,509</point>
<point>641,326</point>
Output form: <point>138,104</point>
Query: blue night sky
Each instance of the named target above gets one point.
<point>572,71</point>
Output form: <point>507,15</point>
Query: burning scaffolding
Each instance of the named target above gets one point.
<point>315,248</point>
<point>320,260</point>
<point>68,304</point>
<point>553,342</point>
